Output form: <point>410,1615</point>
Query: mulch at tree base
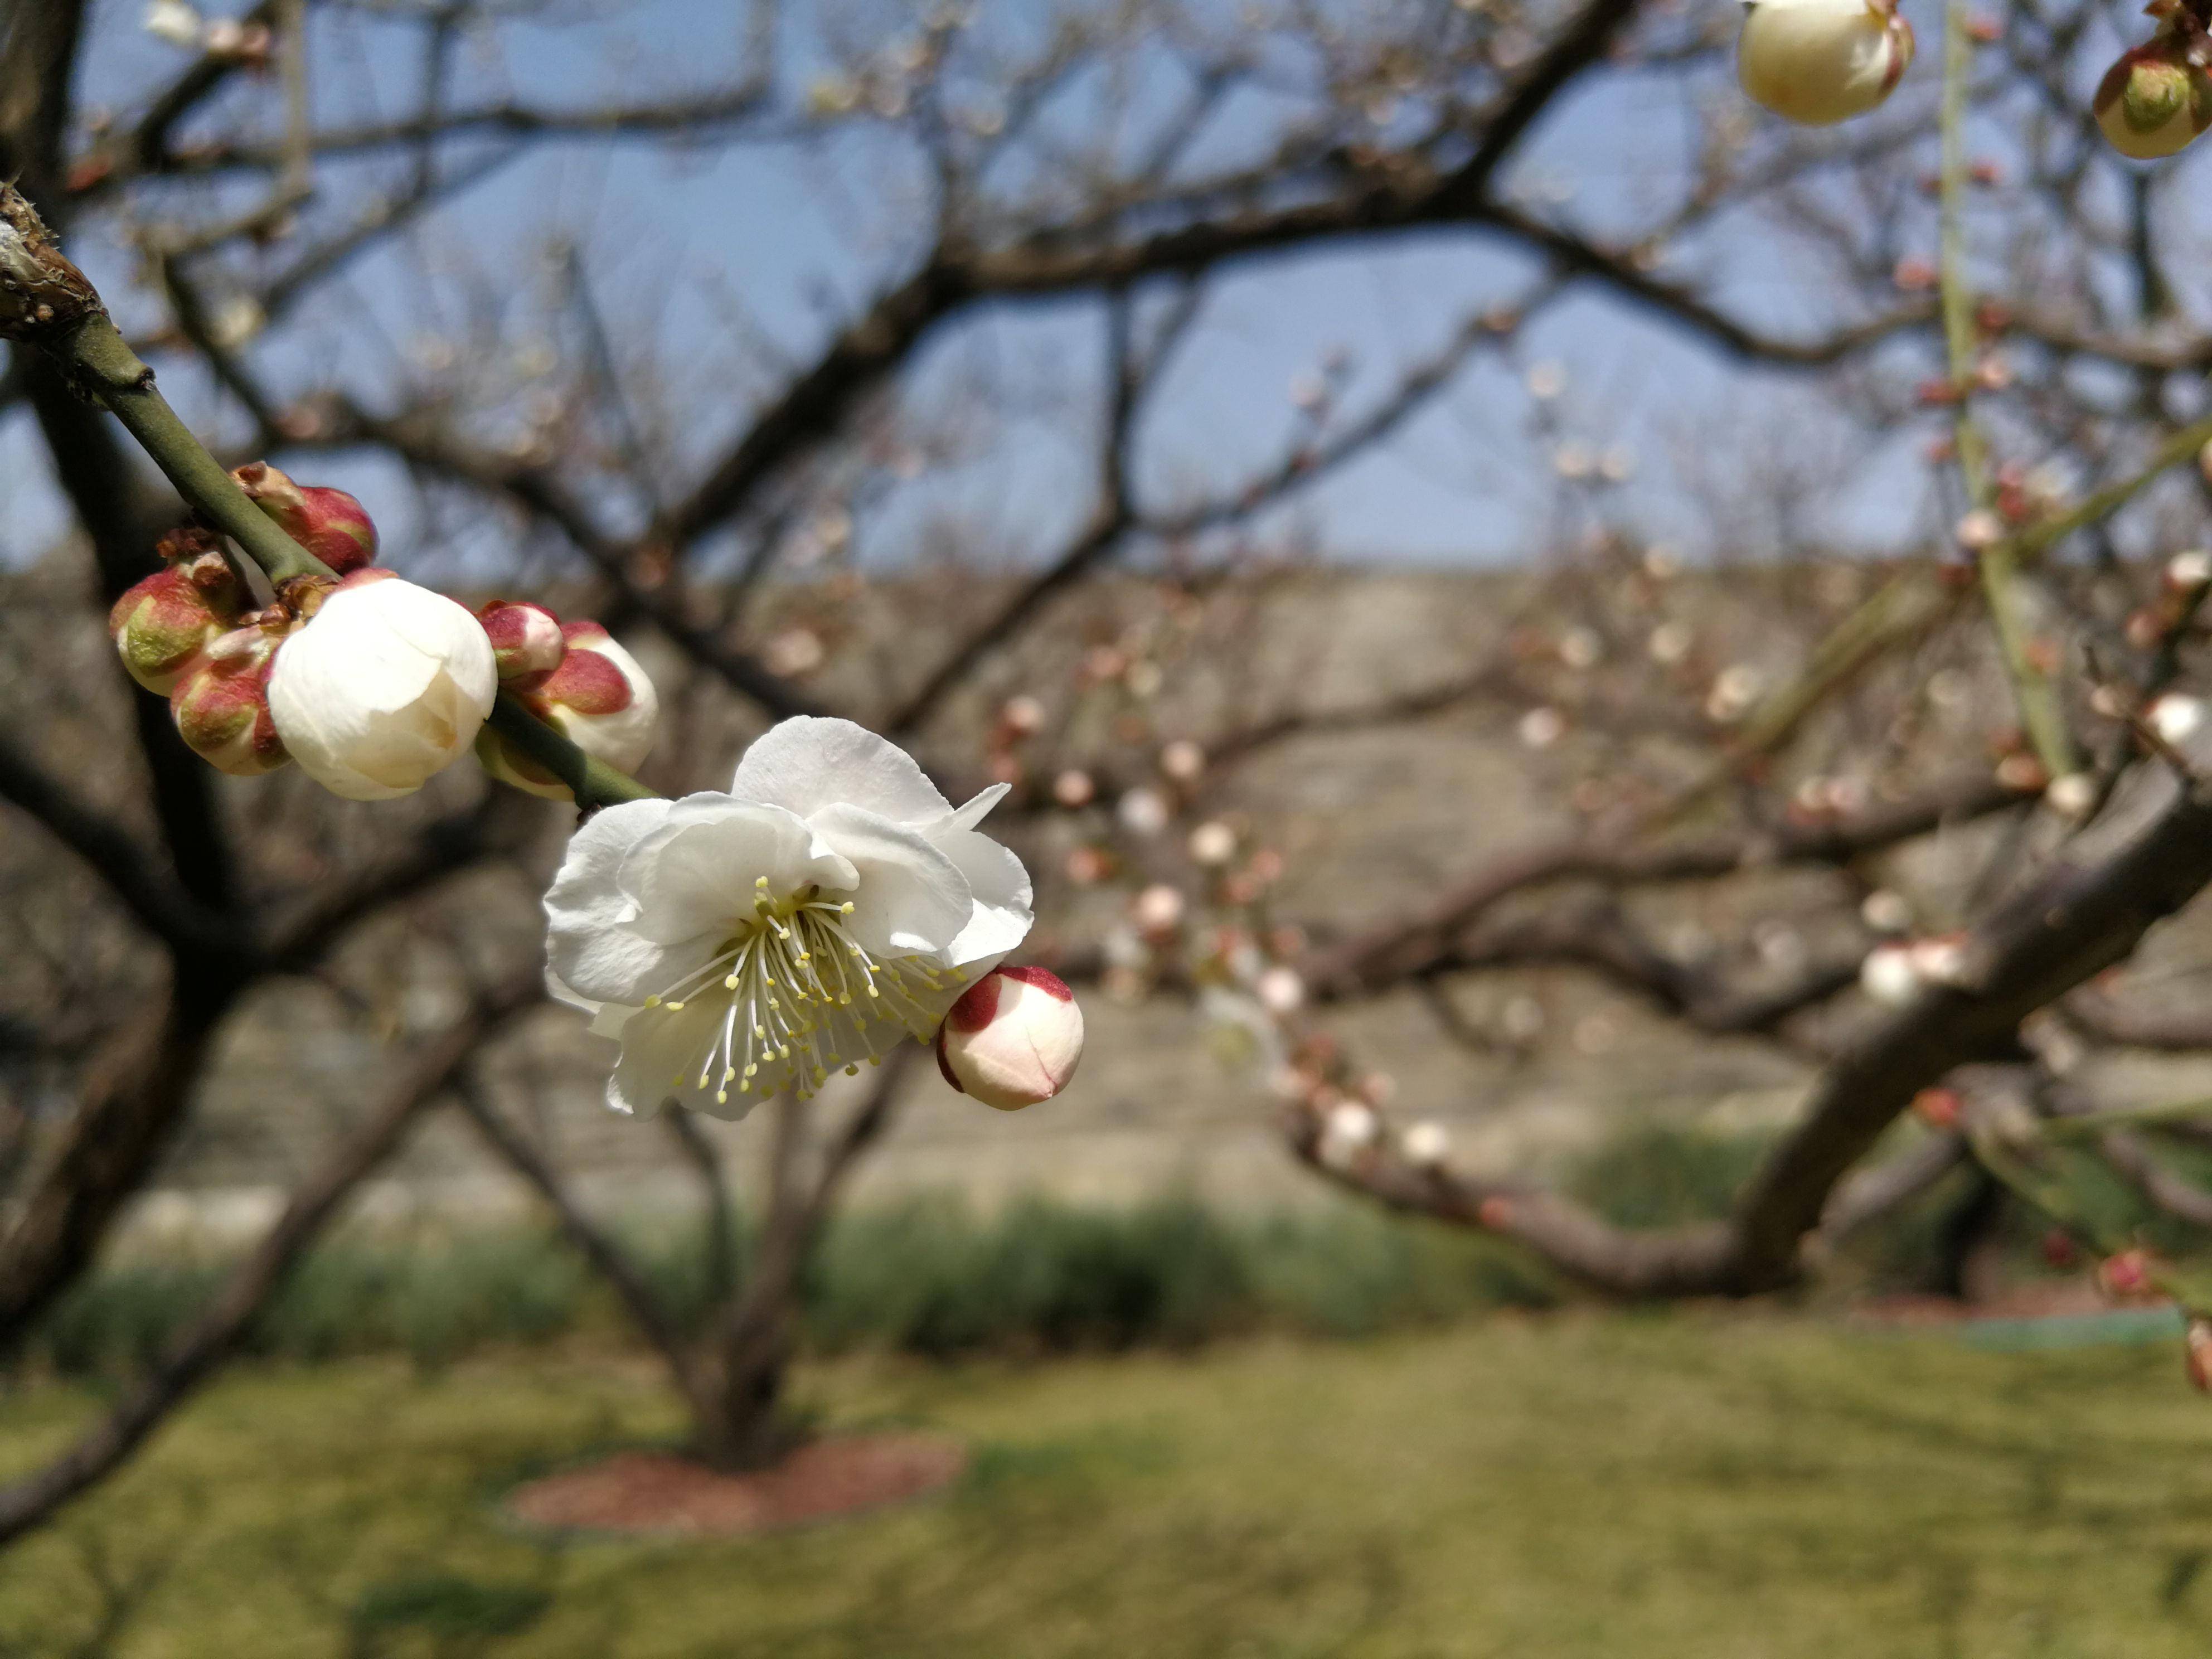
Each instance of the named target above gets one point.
<point>657,1493</point>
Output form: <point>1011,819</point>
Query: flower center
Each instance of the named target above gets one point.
<point>796,994</point>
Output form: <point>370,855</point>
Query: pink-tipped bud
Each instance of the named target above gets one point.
<point>221,707</point>
<point>328,523</point>
<point>597,697</point>
<point>2154,101</point>
<point>2126,1276</point>
<point>161,625</point>
<point>525,640</point>
<point>1013,1038</point>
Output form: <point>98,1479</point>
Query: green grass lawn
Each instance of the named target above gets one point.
<point>1692,1484</point>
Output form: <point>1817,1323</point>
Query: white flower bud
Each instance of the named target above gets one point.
<point>1348,1132</point>
<point>1213,844</point>
<point>1818,62</point>
<point>1887,911</point>
<point>2072,795</point>
<point>2176,717</point>
<point>1427,1145</point>
<point>1013,1038</point>
<point>1888,975</point>
<point>385,685</point>
<point>1280,990</point>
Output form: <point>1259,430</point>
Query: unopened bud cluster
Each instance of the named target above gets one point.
<point>372,684</point>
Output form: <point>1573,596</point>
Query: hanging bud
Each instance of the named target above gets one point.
<point>1012,1039</point>
<point>328,523</point>
<point>2154,101</point>
<point>221,706</point>
<point>161,625</point>
<point>597,697</point>
<point>526,639</point>
<point>383,686</point>
<point>2196,1350</point>
<point>1818,62</point>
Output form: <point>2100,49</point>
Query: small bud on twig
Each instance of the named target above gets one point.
<point>328,523</point>
<point>41,293</point>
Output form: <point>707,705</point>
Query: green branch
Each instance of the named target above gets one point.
<point>2033,690</point>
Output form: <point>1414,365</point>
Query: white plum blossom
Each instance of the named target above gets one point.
<point>830,904</point>
<point>1818,62</point>
<point>384,686</point>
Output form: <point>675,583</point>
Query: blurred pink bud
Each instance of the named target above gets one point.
<point>1280,990</point>
<point>328,523</point>
<point>2197,1349</point>
<point>526,639</point>
<point>1183,760</point>
<point>221,706</point>
<point>1022,716</point>
<point>1938,1108</point>
<point>1073,788</point>
<point>1213,844</point>
<point>1158,909</point>
<point>1013,1039</point>
<point>2125,1276</point>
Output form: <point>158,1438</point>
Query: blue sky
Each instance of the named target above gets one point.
<point>793,236</point>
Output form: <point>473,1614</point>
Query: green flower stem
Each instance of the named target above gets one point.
<point>2033,691</point>
<point>592,783</point>
<point>101,363</point>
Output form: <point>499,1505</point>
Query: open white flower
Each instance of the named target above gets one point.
<point>830,904</point>
<point>383,687</point>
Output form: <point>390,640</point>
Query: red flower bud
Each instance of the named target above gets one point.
<point>328,523</point>
<point>596,696</point>
<point>526,640</point>
<point>221,707</point>
<point>161,625</point>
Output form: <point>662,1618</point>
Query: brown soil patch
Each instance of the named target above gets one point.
<point>656,1494</point>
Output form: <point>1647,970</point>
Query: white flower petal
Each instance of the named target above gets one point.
<point>589,941</point>
<point>911,899</point>
<point>697,874</point>
<point>977,808</point>
<point>1001,887</point>
<point>811,763</point>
